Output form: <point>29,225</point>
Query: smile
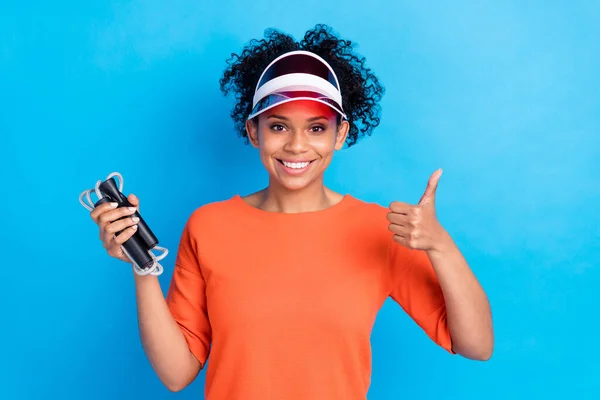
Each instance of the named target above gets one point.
<point>295,166</point>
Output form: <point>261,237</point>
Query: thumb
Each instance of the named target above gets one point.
<point>431,187</point>
<point>132,198</point>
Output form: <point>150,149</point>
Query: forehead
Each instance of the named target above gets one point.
<point>301,108</point>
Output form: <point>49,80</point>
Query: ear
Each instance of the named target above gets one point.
<point>341,135</point>
<point>252,131</point>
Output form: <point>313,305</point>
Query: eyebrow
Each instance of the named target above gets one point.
<point>287,119</point>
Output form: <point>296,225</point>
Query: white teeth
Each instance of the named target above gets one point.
<point>295,165</point>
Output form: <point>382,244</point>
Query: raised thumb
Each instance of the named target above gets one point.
<point>431,188</point>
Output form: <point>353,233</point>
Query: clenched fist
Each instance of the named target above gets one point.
<point>416,226</point>
<point>116,225</point>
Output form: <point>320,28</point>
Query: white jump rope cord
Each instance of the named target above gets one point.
<point>156,269</point>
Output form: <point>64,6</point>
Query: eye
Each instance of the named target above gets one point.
<point>317,128</point>
<point>277,127</point>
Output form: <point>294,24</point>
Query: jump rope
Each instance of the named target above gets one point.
<point>139,246</point>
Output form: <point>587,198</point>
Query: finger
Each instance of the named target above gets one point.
<point>400,219</point>
<point>120,224</point>
<point>400,208</point>
<point>125,235</point>
<point>405,241</point>
<point>133,199</point>
<point>411,215</point>
<point>401,239</point>
<point>112,215</point>
<point>401,230</point>
<point>431,187</point>
<point>101,209</point>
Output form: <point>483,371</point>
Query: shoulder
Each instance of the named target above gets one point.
<point>367,209</point>
<point>368,219</point>
<point>208,214</point>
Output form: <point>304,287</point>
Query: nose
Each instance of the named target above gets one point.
<point>297,142</point>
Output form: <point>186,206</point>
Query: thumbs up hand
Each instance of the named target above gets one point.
<point>416,226</point>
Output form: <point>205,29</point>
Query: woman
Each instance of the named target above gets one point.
<point>281,287</point>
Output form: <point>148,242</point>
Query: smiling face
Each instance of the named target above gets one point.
<point>296,141</point>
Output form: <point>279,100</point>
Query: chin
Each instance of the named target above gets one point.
<point>293,184</point>
<point>293,179</point>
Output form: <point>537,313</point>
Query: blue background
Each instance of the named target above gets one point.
<point>504,96</point>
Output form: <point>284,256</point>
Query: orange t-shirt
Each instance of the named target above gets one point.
<point>285,303</point>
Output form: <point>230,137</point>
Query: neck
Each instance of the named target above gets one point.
<point>314,197</point>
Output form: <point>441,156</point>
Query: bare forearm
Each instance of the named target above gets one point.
<point>467,306</point>
<point>162,339</point>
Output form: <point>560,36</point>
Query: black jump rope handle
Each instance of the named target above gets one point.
<point>137,246</point>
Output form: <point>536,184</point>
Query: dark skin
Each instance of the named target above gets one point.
<point>308,131</point>
<point>469,316</point>
<point>293,132</point>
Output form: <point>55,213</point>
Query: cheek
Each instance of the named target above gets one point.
<point>324,144</point>
<point>269,143</point>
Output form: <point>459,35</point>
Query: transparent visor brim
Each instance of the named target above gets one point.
<point>276,99</point>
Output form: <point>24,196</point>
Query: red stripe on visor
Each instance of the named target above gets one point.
<point>297,75</point>
<point>275,99</point>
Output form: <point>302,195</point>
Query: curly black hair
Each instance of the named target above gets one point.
<point>361,90</point>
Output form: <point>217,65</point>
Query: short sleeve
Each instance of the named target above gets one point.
<point>186,297</point>
<point>415,287</point>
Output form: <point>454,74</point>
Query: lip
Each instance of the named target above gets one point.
<point>293,161</point>
<point>294,171</point>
